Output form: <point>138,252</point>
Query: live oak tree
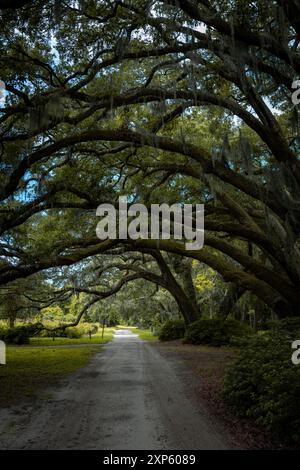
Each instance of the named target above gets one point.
<point>105,280</point>
<point>186,101</point>
<point>25,298</point>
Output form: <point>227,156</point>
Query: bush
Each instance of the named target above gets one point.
<point>289,325</point>
<point>172,329</point>
<point>87,328</point>
<point>71,333</point>
<point>52,333</point>
<point>216,332</point>
<point>19,334</point>
<point>264,384</point>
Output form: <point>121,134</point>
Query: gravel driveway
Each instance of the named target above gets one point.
<point>128,397</point>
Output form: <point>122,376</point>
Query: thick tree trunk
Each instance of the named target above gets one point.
<point>184,271</point>
<point>234,293</point>
<point>184,295</point>
<point>188,308</point>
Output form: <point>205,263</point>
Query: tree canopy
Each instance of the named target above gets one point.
<point>164,101</point>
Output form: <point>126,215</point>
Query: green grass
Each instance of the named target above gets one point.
<point>96,339</point>
<point>146,335</point>
<point>29,370</point>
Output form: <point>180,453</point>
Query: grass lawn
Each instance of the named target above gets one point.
<point>143,334</point>
<point>28,370</point>
<point>96,339</point>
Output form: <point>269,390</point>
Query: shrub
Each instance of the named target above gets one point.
<point>87,328</point>
<point>216,332</point>
<point>19,334</point>
<point>264,384</point>
<point>52,333</point>
<point>289,325</point>
<point>2,332</point>
<point>72,333</point>
<point>172,329</point>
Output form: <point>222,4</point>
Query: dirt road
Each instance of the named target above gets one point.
<point>128,397</point>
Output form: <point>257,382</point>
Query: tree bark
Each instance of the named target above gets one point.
<point>184,295</point>
<point>234,293</point>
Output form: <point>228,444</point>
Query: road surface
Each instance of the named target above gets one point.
<point>128,397</point>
